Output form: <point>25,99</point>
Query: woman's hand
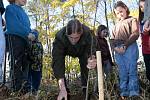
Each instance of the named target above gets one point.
<point>31,37</point>
<point>92,62</point>
<point>146,27</point>
<point>121,49</point>
<point>62,94</point>
<point>63,91</point>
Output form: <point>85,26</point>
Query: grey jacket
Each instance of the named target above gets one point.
<point>146,10</point>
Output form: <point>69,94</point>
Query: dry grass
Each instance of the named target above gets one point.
<point>49,90</point>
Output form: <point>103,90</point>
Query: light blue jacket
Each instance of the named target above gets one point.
<point>146,10</point>
<point>2,42</point>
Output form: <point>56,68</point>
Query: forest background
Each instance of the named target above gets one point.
<point>49,16</point>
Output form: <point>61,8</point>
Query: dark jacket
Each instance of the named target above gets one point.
<point>2,9</point>
<point>63,47</point>
<point>102,45</point>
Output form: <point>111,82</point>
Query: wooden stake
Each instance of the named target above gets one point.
<point>100,75</point>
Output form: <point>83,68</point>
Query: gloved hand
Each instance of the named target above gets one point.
<point>31,37</point>
<point>146,27</point>
<point>92,62</point>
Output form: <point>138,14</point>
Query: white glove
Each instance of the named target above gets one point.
<point>31,37</point>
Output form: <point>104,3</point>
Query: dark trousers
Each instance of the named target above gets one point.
<point>147,65</point>
<point>19,68</point>
<point>35,79</point>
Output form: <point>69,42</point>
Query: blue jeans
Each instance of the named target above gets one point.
<point>35,79</point>
<point>107,67</point>
<point>2,49</point>
<point>127,64</point>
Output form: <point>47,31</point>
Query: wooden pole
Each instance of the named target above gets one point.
<point>100,75</point>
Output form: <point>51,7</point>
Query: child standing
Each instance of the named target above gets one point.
<point>18,32</point>
<point>2,41</point>
<point>36,58</point>
<point>102,45</point>
<point>124,35</point>
<point>145,39</point>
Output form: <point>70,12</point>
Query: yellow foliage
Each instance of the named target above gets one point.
<point>48,32</point>
<point>135,13</point>
<point>69,3</point>
<point>55,3</point>
<point>45,16</point>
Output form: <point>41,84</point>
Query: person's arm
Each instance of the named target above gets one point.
<point>58,66</point>
<point>91,51</point>
<point>58,59</point>
<point>112,40</point>
<point>13,24</point>
<point>42,52</point>
<point>63,92</point>
<point>115,42</point>
<point>134,33</point>
<point>91,43</point>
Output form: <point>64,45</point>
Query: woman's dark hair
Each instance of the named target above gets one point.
<point>100,29</point>
<point>11,1</point>
<point>123,5</point>
<point>141,13</point>
<point>74,26</point>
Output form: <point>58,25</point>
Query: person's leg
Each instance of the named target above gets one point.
<point>131,61</point>
<point>30,79</point>
<point>25,71</point>
<point>2,49</point>
<point>133,80</point>
<point>147,65</point>
<point>107,68</point>
<point>36,80</point>
<point>123,74</point>
<point>17,53</point>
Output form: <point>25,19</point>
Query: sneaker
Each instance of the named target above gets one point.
<point>34,92</point>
